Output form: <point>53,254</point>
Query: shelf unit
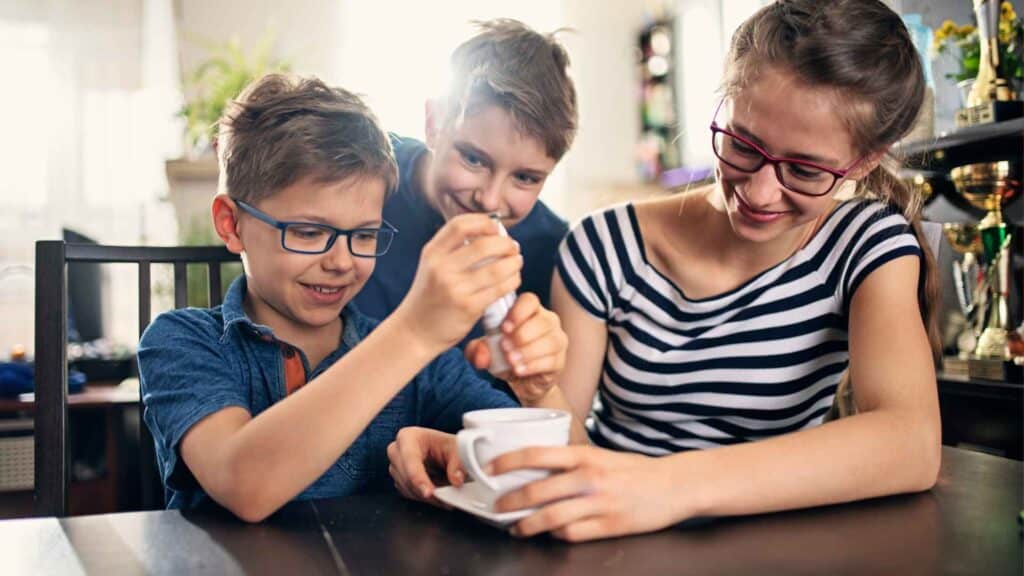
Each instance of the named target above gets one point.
<point>657,149</point>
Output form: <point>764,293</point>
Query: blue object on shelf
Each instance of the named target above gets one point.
<point>19,378</point>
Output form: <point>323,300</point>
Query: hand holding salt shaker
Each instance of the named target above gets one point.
<point>494,315</point>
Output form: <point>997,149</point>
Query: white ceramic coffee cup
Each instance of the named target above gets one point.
<point>487,434</point>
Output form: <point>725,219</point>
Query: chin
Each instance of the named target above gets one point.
<point>752,233</point>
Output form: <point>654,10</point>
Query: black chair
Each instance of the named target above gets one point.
<point>51,363</point>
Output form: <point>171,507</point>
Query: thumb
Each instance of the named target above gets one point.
<point>453,468</point>
<point>478,354</point>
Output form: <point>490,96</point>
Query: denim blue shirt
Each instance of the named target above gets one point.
<point>197,361</point>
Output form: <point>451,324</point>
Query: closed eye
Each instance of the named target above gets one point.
<point>528,179</point>
<point>365,234</point>
<point>805,172</point>
<point>307,232</point>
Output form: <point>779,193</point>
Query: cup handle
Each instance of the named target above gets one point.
<point>466,440</point>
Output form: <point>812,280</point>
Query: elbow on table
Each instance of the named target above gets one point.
<point>928,459</point>
<point>248,499</point>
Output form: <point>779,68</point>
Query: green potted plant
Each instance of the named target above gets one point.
<point>217,80</point>
<point>963,42</point>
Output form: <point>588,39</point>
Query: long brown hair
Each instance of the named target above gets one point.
<point>861,51</point>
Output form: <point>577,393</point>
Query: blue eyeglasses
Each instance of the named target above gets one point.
<point>312,238</point>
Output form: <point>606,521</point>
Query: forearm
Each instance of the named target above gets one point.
<point>871,454</point>
<point>280,452</point>
<point>556,400</point>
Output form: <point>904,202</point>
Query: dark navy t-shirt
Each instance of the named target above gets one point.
<point>539,235</point>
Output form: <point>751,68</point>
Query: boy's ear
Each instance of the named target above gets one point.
<point>225,222</point>
<point>433,114</point>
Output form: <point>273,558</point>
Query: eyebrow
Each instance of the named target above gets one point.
<point>831,162</point>
<point>465,145</point>
<point>303,218</point>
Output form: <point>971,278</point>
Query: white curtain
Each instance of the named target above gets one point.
<point>92,88</point>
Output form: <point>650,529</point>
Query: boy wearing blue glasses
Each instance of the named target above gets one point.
<point>286,391</point>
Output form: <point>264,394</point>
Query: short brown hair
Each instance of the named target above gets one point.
<point>509,64</point>
<point>285,128</point>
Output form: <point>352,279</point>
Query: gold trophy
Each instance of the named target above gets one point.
<point>989,186</point>
<point>991,98</point>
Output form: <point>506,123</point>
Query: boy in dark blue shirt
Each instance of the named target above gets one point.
<point>507,119</point>
<point>288,391</point>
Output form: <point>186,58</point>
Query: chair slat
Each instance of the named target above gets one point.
<point>145,288</point>
<point>51,380</point>
<point>180,285</point>
<point>51,415</point>
<point>214,276</point>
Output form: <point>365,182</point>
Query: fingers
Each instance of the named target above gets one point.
<point>558,487</point>
<point>544,457</point>
<point>407,457</point>
<point>545,356</point>
<point>560,515</point>
<point>589,529</point>
<point>454,234</point>
<point>490,286</point>
<point>456,475</point>
<point>478,354</point>
<point>526,306</point>
<point>481,251</point>
<point>494,273</point>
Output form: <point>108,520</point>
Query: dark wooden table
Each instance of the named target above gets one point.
<point>966,525</point>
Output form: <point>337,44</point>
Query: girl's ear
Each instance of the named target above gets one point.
<point>867,164</point>
<point>225,222</point>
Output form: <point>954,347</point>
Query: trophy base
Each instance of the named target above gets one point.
<point>995,369</point>
<point>995,111</point>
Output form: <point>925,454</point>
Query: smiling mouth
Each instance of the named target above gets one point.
<point>750,208</point>
<point>321,289</point>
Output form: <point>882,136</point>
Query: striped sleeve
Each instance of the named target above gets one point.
<point>584,269</point>
<point>883,235</point>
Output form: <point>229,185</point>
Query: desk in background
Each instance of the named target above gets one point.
<point>117,408</point>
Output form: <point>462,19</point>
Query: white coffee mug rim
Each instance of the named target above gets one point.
<point>470,419</point>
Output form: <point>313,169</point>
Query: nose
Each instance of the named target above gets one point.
<point>764,187</point>
<point>488,196</point>
<point>338,258</point>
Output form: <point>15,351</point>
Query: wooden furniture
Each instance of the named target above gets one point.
<point>985,143</point>
<point>98,495</point>
<point>966,525</point>
<point>982,414</point>
<point>51,364</point>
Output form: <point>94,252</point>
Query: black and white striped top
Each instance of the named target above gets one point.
<point>757,361</point>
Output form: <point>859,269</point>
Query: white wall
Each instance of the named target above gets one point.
<point>306,32</point>
<point>602,51</point>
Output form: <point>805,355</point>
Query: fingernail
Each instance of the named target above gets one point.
<point>506,345</point>
<point>520,368</point>
<point>424,491</point>
<point>507,326</point>
<point>459,476</point>
<point>489,468</point>
<point>516,357</point>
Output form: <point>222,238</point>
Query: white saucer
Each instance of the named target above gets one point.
<point>473,498</point>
